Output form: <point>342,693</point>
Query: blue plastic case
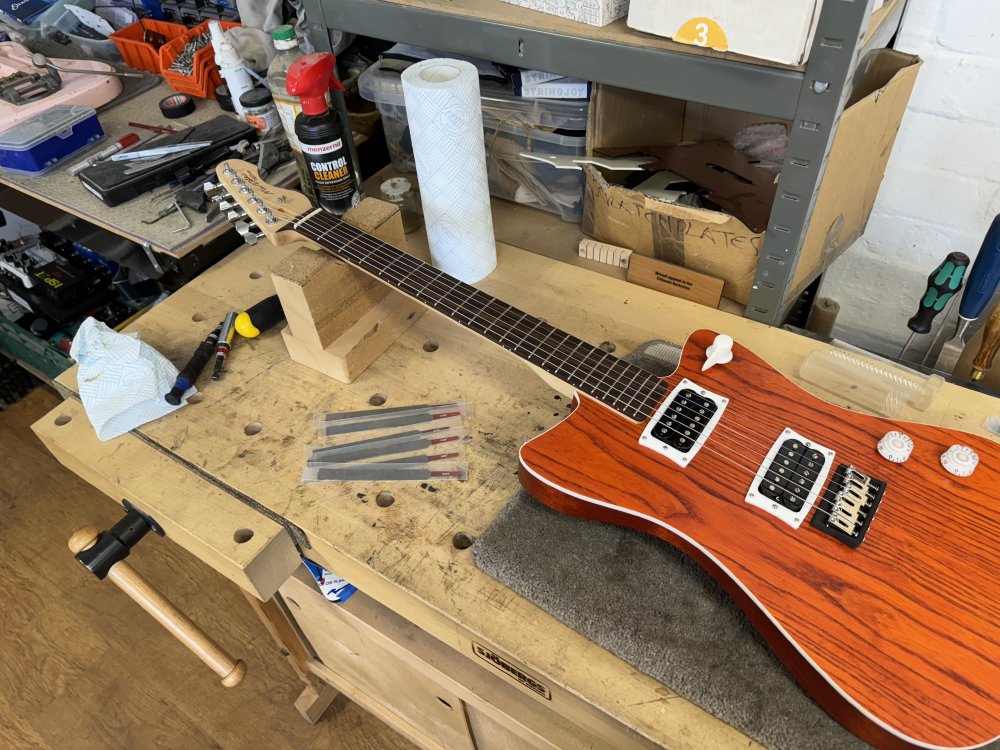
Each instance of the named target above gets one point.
<point>34,146</point>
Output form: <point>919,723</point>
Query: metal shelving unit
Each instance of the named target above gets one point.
<point>812,96</point>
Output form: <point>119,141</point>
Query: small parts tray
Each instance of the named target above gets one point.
<point>205,78</point>
<point>139,54</point>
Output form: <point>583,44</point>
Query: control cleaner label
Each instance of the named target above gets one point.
<point>331,175</point>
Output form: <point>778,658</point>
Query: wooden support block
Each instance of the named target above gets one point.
<point>676,281</point>
<point>313,701</point>
<point>362,343</point>
<point>340,319</point>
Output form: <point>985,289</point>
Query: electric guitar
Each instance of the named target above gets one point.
<point>865,550</point>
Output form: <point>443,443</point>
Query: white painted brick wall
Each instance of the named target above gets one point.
<point>942,184</point>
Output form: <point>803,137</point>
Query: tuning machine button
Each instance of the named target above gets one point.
<point>719,352</point>
<point>960,460</point>
<point>248,231</point>
<point>237,214</point>
<point>895,446</point>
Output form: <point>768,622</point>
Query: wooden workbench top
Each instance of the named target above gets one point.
<point>59,189</point>
<point>248,436</point>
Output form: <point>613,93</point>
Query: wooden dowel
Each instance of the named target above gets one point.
<point>163,610</point>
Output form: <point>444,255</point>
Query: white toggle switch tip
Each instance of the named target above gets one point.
<point>719,353</point>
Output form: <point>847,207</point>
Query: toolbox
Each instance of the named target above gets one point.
<point>34,146</point>
<point>115,182</point>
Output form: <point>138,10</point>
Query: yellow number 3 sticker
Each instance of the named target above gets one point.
<point>703,32</point>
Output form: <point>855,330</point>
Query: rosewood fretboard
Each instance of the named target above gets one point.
<point>628,389</point>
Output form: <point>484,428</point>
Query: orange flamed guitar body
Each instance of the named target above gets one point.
<point>899,639</point>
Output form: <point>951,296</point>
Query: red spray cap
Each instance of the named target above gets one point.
<point>309,77</point>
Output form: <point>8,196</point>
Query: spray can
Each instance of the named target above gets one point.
<point>322,136</point>
<point>230,65</point>
<point>288,52</point>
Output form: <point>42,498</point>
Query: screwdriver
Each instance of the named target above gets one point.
<point>943,283</point>
<point>989,346</point>
<point>257,319</point>
<point>981,284</point>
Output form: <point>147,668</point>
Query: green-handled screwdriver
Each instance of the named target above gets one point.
<point>944,283</point>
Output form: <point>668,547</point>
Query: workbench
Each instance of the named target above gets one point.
<point>431,644</point>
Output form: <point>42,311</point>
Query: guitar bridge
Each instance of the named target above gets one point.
<point>848,506</point>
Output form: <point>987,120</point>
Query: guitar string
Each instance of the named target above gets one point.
<point>756,460</point>
<point>374,245</point>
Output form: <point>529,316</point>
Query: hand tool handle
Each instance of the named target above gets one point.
<point>943,283</point>
<point>163,610</point>
<point>989,346</point>
<point>257,319</point>
<point>982,280</point>
<point>191,371</point>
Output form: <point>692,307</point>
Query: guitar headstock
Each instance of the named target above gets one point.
<point>255,208</point>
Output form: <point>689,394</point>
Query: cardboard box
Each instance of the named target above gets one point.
<point>782,32</point>
<point>714,242</point>
<point>593,12</point>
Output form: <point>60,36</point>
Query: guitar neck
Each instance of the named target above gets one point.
<point>627,389</point>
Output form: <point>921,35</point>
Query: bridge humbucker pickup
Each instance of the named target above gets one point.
<point>848,506</point>
<point>789,479</point>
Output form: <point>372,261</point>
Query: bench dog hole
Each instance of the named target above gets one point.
<point>384,499</point>
<point>430,346</point>
<point>255,274</point>
<point>608,346</point>
<point>242,536</point>
<point>198,317</point>
<point>461,540</point>
<point>377,399</point>
<point>253,428</point>
<point>63,419</point>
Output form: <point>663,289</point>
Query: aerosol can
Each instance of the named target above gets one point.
<point>321,133</point>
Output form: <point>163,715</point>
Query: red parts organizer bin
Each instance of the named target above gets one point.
<point>137,53</point>
<point>206,73</point>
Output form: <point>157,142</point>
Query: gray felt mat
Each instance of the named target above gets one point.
<point>657,610</point>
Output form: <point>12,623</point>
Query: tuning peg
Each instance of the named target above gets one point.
<point>211,187</point>
<point>237,214</point>
<point>247,231</point>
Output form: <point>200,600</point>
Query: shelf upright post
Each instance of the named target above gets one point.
<point>825,89</point>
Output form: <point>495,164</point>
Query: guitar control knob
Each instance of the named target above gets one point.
<point>895,447</point>
<point>719,352</point>
<point>960,460</point>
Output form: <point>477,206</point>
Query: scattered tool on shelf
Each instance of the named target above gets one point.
<point>41,61</point>
<point>187,222</point>
<point>980,285</point>
<point>154,128</point>
<point>943,284</point>
<point>186,378</point>
<point>225,343</point>
<point>988,348</point>
<point>158,151</point>
<point>264,315</point>
<point>126,141</point>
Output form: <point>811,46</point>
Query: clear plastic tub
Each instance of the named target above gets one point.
<point>511,125</point>
<point>36,145</point>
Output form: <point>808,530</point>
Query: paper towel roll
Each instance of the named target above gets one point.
<point>446,128</point>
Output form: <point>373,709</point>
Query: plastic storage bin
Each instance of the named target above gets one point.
<point>206,73</point>
<point>34,146</point>
<point>137,53</point>
<point>511,125</point>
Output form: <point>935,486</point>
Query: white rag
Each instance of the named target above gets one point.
<point>121,379</point>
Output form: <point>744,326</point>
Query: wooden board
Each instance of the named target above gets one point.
<point>67,193</point>
<point>674,280</point>
<point>403,555</point>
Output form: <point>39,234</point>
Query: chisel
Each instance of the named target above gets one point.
<point>944,283</point>
<point>980,285</point>
<point>988,347</point>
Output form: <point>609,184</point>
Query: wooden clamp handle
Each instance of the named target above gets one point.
<point>988,349</point>
<point>162,609</point>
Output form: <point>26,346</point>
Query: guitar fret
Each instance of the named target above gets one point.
<point>608,379</point>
